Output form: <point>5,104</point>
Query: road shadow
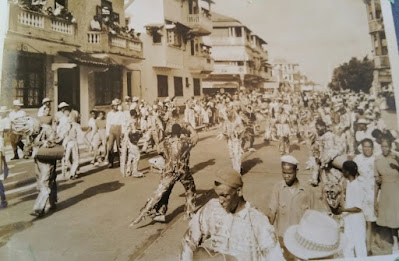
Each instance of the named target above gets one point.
<point>7,231</point>
<point>206,137</point>
<point>294,147</point>
<point>88,193</point>
<point>249,164</point>
<point>203,196</point>
<point>61,185</point>
<point>202,165</point>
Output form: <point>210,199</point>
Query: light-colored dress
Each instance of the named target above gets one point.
<point>388,205</point>
<point>367,181</point>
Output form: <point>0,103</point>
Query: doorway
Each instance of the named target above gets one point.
<point>68,87</point>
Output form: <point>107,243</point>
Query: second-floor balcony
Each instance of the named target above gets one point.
<point>216,40</point>
<point>104,42</point>
<point>166,56</point>
<point>239,69</point>
<point>38,25</point>
<point>201,23</point>
<point>381,62</point>
<point>376,25</point>
<point>201,63</point>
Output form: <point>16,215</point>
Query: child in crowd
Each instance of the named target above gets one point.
<point>354,221</point>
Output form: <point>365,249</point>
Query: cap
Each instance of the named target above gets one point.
<point>230,178</point>
<point>289,159</point>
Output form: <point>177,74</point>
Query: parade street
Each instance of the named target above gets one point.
<point>94,211</point>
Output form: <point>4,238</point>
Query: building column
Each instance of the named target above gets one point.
<point>84,95</point>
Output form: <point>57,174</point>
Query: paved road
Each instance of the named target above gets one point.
<point>93,214</point>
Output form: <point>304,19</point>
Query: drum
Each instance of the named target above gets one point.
<point>54,153</point>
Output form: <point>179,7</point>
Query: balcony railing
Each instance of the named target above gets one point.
<point>201,23</point>
<point>168,57</point>
<point>381,62</point>
<point>115,44</point>
<point>376,25</point>
<point>42,26</point>
<point>227,40</point>
<point>201,63</point>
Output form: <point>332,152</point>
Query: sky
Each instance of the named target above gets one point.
<point>318,34</point>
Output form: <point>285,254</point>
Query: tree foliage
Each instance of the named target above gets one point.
<point>355,75</point>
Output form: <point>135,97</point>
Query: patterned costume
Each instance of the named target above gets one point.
<point>176,150</point>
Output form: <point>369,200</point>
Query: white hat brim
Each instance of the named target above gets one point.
<point>299,251</point>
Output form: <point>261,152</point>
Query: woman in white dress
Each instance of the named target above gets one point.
<point>365,163</point>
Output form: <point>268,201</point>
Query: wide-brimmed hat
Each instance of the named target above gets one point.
<point>46,100</point>
<point>362,121</point>
<point>17,103</point>
<point>115,102</point>
<point>135,99</point>
<point>316,236</point>
<point>63,105</point>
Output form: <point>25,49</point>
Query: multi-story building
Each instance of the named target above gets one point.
<point>59,50</point>
<point>240,56</point>
<point>176,59</point>
<point>382,68</point>
<point>285,71</point>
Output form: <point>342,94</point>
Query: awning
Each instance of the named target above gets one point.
<point>86,59</point>
<point>154,25</point>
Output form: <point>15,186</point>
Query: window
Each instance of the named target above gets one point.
<point>220,32</point>
<point>197,87</point>
<point>156,37</point>
<point>162,86</point>
<point>240,63</point>
<point>174,38</point>
<point>192,47</point>
<point>28,80</point>
<point>178,86</point>
<point>129,83</point>
<point>238,32</point>
<point>61,4</point>
<point>108,86</point>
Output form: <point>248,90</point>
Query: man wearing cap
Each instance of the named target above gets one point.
<point>230,226</point>
<point>16,139</point>
<point>45,104</point>
<point>115,120</point>
<point>289,198</point>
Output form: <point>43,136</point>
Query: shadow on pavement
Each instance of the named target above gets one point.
<point>61,186</point>
<point>294,147</point>
<point>206,137</point>
<point>7,231</point>
<point>88,193</point>
<point>249,164</point>
<point>202,165</point>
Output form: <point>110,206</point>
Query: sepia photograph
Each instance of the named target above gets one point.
<point>223,130</point>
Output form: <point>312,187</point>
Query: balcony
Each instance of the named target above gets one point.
<point>166,56</point>
<point>201,24</point>
<point>376,25</point>
<point>228,41</point>
<point>104,42</point>
<point>41,26</point>
<point>202,64</point>
<point>229,69</point>
<point>381,62</point>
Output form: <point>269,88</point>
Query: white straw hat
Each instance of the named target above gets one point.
<point>17,103</point>
<point>63,105</point>
<point>316,236</point>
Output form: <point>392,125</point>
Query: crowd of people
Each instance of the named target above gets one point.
<point>351,160</point>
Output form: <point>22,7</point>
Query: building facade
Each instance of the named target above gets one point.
<point>240,56</point>
<point>284,71</point>
<point>382,68</point>
<point>176,58</point>
<point>79,52</point>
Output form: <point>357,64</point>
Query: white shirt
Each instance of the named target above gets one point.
<point>40,113</point>
<point>16,114</point>
<point>114,118</point>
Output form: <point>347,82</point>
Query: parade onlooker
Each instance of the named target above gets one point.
<point>46,103</point>
<point>230,226</point>
<point>387,178</point>
<point>354,221</point>
<point>365,163</point>
<point>16,139</point>
<point>100,139</point>
<point>289,199</point>
<point>115,120</point>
